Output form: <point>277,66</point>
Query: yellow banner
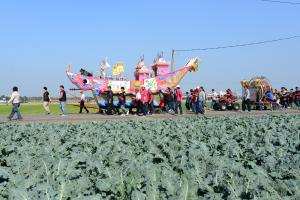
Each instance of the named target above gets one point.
<point>118,69</point>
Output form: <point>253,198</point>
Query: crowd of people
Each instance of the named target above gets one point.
<point>15,99</point>
<point>284,98</point>
<point>170,100</point>
<point>196,100</point>
<point>277,99</point>
<point>144,103</point>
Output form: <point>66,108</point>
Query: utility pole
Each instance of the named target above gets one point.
<point>172,61</point>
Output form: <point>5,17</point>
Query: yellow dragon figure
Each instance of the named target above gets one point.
<point>245,83</point>
<point>258,85</point>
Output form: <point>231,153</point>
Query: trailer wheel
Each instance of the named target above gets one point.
<point>216,106</point>
<point>223,107</point>
<point>236,106</point>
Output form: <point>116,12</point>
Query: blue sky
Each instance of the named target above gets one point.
<point>39,38</point>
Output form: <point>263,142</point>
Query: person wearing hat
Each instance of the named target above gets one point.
<point>178,99</point>
<point>46,100</point>
<point>82,101</point>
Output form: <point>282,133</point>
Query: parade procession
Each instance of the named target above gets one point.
<point>150,100</point>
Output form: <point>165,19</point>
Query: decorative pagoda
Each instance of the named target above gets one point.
<point>160,65</point>
<point>141,71</point>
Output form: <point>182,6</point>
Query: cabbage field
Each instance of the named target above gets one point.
<point>176,159</point>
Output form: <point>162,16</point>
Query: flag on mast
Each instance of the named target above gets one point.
<point>118,69</point>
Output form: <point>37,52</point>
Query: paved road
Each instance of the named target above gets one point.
<point>100,117</point>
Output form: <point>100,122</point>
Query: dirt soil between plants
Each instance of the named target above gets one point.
<point>78,118</point>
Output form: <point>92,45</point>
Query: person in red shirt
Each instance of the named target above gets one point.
<point>144,99</point>
<point>178,99</point>
<point>229,94</point>
<point>195,100</point>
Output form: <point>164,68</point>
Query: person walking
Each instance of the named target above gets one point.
<point>214,98</point>
<point>284,99</point>
<point>144,99</point>
<point>195,97</point>
<point>187,101</point>
<point>82,102</point>
<point>46,100</point>
<point>201,101</point>
<point>291,98</point>
<point>15,100</point>
<point>169,99</point>
<point>246,99</point>
<point>297,97</point>
<point>139,106</point>
<point>203,93</point>
<point>150,102</point>
<point>110,101</point>
<point>122,101</point>
<point>62,100</point>
<point>178,99</point>
<point>191,103</point>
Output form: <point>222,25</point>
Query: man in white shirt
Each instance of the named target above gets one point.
<point>82,101</point>
<point>214,98</point>
<point>138,98</point>
<point>15,100</point>
<point>246,99</point>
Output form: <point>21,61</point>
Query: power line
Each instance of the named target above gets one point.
<point>283,2</point>
<point>239,45</point>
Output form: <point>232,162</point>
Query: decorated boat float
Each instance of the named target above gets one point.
<point>156,79</point>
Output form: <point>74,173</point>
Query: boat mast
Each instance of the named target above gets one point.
<point>172,61</point>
